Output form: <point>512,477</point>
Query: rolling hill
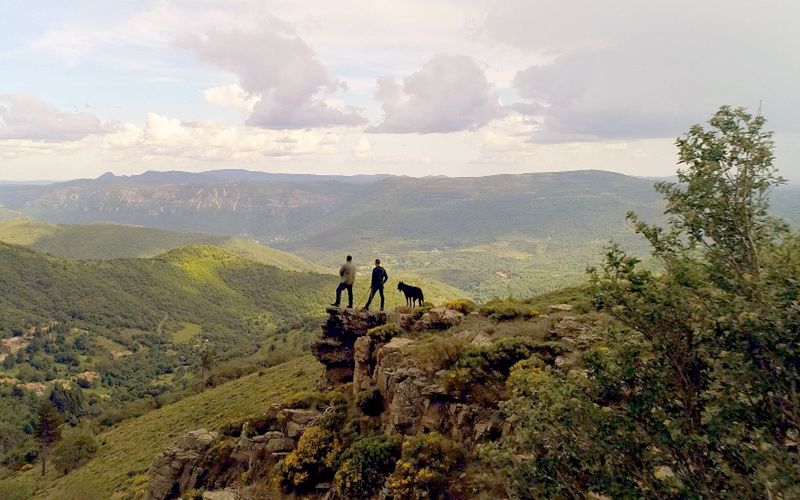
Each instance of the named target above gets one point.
<point>103,241</point>
<point>503,235</point>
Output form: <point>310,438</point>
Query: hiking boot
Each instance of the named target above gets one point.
<point>334,305</point>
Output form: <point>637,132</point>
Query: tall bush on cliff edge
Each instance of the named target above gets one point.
<point>697,393</point>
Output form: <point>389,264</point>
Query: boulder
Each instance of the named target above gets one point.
<point>175,469</point>
<point>439,318</point>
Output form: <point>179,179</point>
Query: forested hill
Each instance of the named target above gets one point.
<point>197,284</point>
<point>104,241</point>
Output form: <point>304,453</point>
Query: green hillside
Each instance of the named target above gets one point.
<point>120,466</point>
<point>113,241</point>
<point>140,325</point>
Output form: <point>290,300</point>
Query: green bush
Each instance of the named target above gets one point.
<point>384,333</point>
<point>506,310</point>
<point>365,466</point>
<point>311,462</point>
<point>425,467</point>
<point>76,446</point>
<point>480,370</point>
<point>464,306</point>
<point>255,425</point>
<point>421,310</point>
<point>570,444</point>
<point>370,402</point>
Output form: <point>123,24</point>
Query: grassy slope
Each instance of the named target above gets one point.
<point>119,469</point>
<point>113,241</point>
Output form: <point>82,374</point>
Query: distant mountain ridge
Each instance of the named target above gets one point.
<point>329,214</point>
<point>501,235</point>
<point>235,175</point>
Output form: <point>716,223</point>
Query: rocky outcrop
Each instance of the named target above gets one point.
<point>335,349</point>
<point>205,459</point>
<point>176,470</point>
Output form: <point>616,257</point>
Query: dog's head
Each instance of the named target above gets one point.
<point>401,285</point>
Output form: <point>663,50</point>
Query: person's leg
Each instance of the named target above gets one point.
<point>350,296</point>
<point>338,295</point>
<point>369,300</point>
<point>382,299</point>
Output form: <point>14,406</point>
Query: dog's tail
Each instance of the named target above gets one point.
<point>421,296</point>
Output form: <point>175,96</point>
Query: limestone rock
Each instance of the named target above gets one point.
<point>281,444</point>
<point>175,469</point>
<point>295,422</point>
<point>220,495</point>
<point>560,307</point>
<point>439,318</point>
<point>335,347</point>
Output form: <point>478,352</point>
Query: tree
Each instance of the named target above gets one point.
<point>722,320</point>
<point>75,447</point>
<point>206,363</point>
<point>698,382</point>
<point>69,402</point>
<point>48,422</point>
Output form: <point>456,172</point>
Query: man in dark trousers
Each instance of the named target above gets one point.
<point>379,278</point>
<point>348,274</point>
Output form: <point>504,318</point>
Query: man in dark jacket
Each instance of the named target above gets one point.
<point>379,278</point>
<point>348,275</point>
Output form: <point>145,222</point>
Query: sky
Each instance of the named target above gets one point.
<point>418,87</point>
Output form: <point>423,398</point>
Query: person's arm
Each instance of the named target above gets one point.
<point>385,276</point>
<point>341,271</point>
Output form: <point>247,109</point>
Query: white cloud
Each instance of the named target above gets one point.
<point>448,94</point>
<point>274,63</point>
<point>363,148</point>
<point>169,137</point>
<point>649,69</point>
<point>231,96</point>
<point>26,117</point>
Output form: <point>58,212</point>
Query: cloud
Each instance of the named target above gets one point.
<point>648,69</point>
<point>274,63</point>
<point>25,117</point>
<point>231,96</point>
<point>165,136</point>
<point>448,94</point>
<point>362,148</point>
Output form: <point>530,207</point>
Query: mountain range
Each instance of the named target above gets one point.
<point>490,236</point>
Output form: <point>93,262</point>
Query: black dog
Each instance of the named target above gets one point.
<point>412,293</point>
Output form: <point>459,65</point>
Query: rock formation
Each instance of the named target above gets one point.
<point>335,348</point>
<point>203,458</point>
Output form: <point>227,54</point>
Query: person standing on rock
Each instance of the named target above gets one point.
<point>379,278</point>
<point>348,274</point>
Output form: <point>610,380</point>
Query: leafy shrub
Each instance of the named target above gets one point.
<point>438,352</point>
<point>365,466</point>
<point>506,310</point>
<point>255,425</point>
<point>464,306</point>
<point>312,400</point>
<point>370,402</point>
<point>311,462</point>
<point>566,440</point>
<point>477,369</point>
<point>421,310</point>
<point>384,333</point>
<point>76,447</point>
<point>425,466</point>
